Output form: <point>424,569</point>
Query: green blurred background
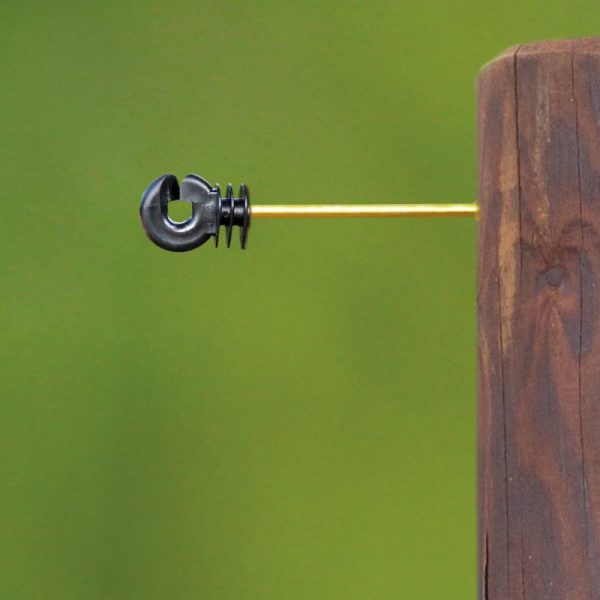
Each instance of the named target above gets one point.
<point>296,421</point>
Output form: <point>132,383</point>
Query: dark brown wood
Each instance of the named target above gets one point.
<point>539,323</point>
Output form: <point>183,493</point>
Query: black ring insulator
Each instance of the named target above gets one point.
<point>209,212</point>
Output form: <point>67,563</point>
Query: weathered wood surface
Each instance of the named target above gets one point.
<point>539,323</point>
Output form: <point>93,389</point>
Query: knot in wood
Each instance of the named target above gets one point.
<point>554,275</point>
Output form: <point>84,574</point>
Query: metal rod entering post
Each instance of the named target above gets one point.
<point>299,211</point>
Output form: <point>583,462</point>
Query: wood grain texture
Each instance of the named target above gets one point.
<point>539,323</point>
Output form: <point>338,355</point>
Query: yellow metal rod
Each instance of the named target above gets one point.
<point>299,211</point>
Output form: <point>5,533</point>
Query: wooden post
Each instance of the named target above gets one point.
<point>539,323</point>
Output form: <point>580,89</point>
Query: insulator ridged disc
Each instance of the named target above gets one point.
<point>230,203</point>
<point>219,203</point>
<point>245,196</point>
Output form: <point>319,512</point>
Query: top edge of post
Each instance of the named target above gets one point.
<point>588,45</point>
